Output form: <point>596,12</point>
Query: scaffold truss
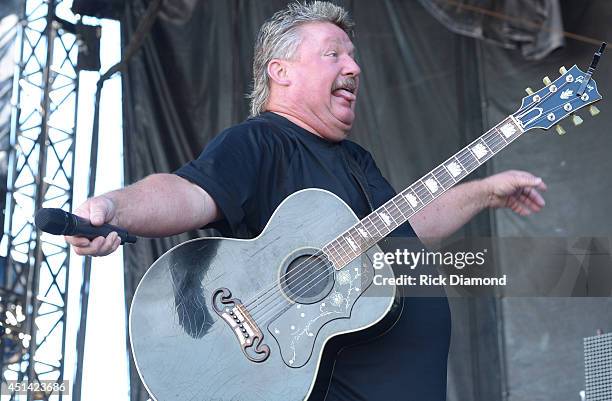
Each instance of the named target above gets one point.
<point>40,174</point>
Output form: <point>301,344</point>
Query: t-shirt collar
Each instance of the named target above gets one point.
<point>304,133</point>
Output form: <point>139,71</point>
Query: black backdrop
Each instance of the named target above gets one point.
<point>425,92</point>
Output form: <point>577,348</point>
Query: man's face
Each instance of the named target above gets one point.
<point>324,80</point>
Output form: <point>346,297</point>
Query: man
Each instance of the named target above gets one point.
<point>306,82</point>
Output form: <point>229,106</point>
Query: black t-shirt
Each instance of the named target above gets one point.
<point>249,169</point>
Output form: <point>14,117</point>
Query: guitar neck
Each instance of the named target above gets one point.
<point>378,224</point>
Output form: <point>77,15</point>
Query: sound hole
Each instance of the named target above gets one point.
<point>308,277</point>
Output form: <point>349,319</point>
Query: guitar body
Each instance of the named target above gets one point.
<point>219,319</point>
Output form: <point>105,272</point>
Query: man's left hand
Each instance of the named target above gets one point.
<point>516,190</point>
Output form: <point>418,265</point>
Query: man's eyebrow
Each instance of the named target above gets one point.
<point>337,42</point>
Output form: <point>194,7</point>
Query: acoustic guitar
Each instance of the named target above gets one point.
<point>218,319</point>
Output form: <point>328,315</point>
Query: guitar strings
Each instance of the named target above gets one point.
<point>396,215</point>
<point>487,136</point>
<point>373,224</point>
<point>502,141</point>
<point>325,275</point>
<point>489,133</point>
<point>505,143</point>
<point>302,266</point>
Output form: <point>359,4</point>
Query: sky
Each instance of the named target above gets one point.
<point>105,374</point>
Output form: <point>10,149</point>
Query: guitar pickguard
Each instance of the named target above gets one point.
<point>296,329</point>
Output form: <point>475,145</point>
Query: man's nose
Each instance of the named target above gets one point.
<point>351,67</point>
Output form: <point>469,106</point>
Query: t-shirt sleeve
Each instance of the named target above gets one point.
<point>380,189</point>
<point>228,170</point>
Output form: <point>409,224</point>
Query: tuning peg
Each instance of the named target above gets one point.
<point>559,129</point>
<point>577,120</point>
<point>529,91</point>
<point>593,110</point>
<point>562,70</point>
<point>546,81</point>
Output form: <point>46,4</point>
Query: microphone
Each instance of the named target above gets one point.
<point>59,222</point>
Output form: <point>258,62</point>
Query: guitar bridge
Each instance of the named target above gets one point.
<point>238,318</point>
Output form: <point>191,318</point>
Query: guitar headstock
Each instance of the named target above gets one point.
<point>559,99</point>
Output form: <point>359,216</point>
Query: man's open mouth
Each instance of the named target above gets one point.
<point>346,90</point>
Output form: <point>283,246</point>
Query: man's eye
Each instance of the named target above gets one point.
<point>332,53</point>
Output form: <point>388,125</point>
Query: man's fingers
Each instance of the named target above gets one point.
<point>526,202</point>
<point>521,209</point>
<point>533,197</point>
<point>515,205</point>
<point>116,244</point>
<point>542,187</point>
<point>520,190</point>
<point>97,218</point>
<point>99,246</point>
<point>97,212</point>
<point>525,179</point>
<point>113,242</point>
<point>77,241</point>
<point>528,180</point>
<point>89,250</point>
<point>108,245</point>
<point>529,204</point>
<point>105,245</point>
<point>527,192</point>
<point>94,247</point>
<point>82,211</point>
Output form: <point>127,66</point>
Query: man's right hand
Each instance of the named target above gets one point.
<point>97,210</point>
<point>159,205</point>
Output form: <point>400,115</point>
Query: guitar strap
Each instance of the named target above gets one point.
<point>359,176</point>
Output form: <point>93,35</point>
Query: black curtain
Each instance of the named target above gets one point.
<point>426,91</point>
<point>535,27</point>
<point>541,338</point>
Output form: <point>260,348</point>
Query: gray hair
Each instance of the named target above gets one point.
<point>279,38</point>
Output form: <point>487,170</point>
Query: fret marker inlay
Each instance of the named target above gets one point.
<point>351,243</point>
<point>508,130</point>
<point>363,232</point>
<point>454,168</point>
<point>412,200</point>
<point>479,150</point>
<point>385,218</point>
<point>431,184</point>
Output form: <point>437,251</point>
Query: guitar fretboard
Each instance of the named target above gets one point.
<point>378,224</point>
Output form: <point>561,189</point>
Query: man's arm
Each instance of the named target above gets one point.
<point>517,190</point>
<point>159,205</point>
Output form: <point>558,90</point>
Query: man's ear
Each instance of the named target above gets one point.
<point>278,72</point>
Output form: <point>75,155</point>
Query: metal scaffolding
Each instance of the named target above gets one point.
<point>41,165</point>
